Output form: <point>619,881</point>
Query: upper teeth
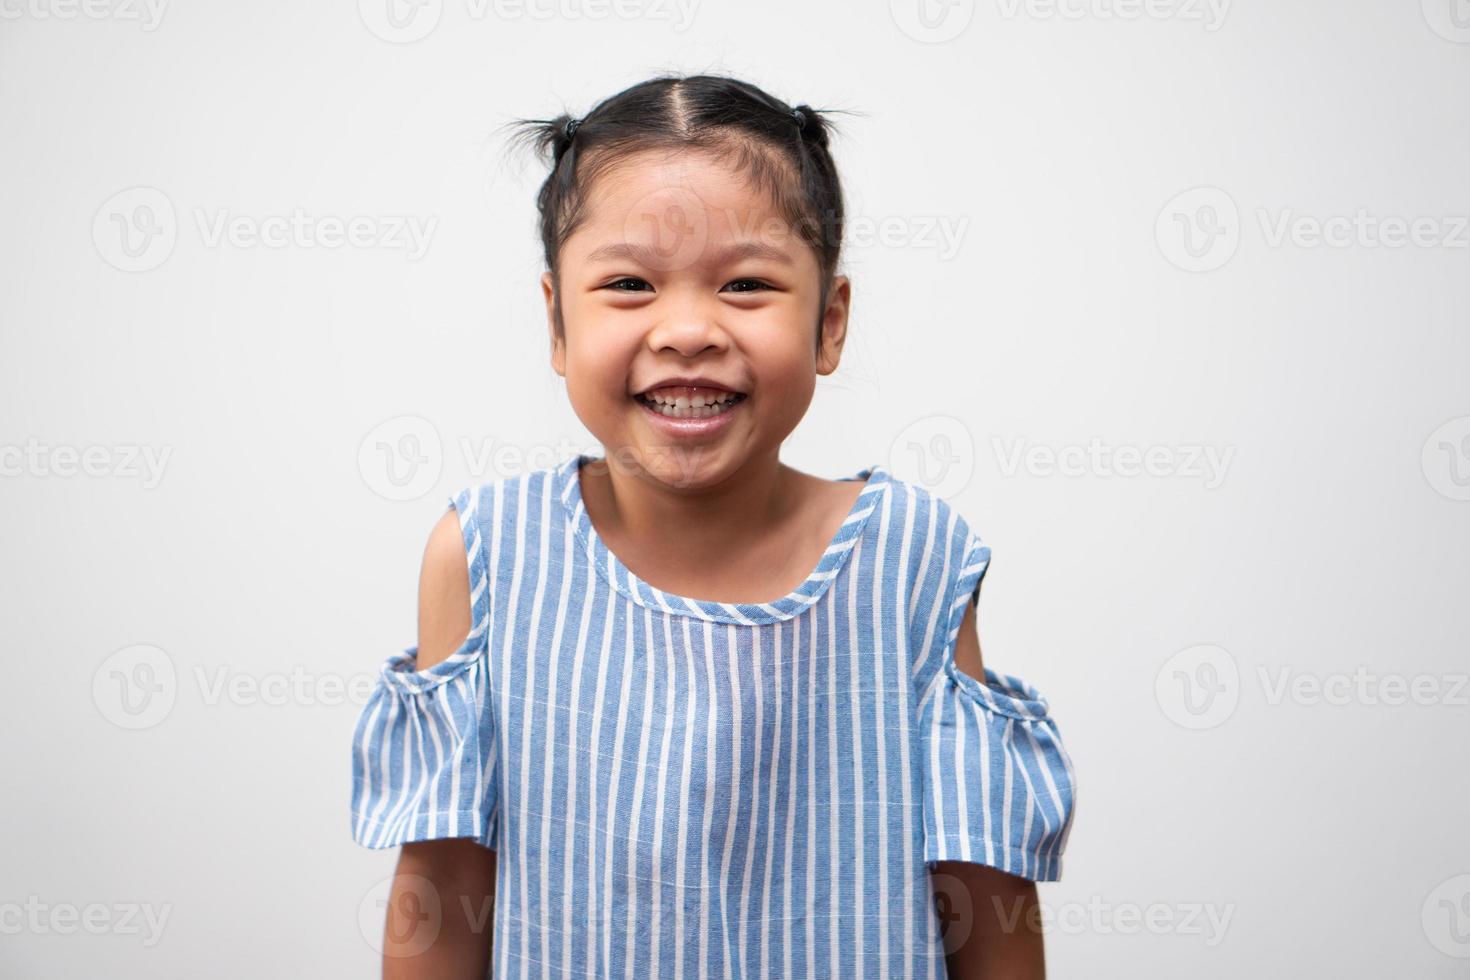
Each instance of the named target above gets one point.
<point>707,397</point>
<point>701,403</point>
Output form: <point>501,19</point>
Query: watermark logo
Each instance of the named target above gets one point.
<point>1446,459</point>
<point>1199,229</point>
<point>401,459</point>
<point>135,688</point>
<point>668,228</point>
<point>1450,19</point>
<point>1446,917</point>
<point>936,452</point>
<point>418,916</point>
<point>400,21</point>
<point>135,229</point>
<point>953,910</point>
<point>1198,687</point>
<point>932,21</point>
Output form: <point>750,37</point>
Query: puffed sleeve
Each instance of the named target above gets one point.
<point>998,784</point>
<point>424,750</point>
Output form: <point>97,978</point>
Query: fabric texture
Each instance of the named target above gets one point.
<point>686,788</point>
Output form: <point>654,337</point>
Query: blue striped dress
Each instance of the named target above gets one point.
<point>680,788</point>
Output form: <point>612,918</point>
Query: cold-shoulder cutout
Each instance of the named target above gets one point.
<point>424,750</point>
<point>402,670</point>
<point>999,788</point>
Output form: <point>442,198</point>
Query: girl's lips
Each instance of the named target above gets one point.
<point>691,427</point>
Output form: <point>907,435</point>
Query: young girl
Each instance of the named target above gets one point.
<point>682,710</point>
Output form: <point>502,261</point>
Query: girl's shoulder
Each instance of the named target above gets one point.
<point>479,519</point>
<point>944,559</point>
<point>936,527</point>
<point>498,500</point>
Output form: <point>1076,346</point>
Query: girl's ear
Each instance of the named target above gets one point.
<point>834,325</point>
<point>558,342</point>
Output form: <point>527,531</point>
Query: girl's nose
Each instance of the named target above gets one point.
<point>688,328</point>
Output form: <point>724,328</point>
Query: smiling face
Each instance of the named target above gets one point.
<point>682,270</point>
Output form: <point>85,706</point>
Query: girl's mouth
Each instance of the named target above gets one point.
<point>677,412</point>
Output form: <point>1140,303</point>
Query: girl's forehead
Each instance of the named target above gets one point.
<point>655,189</point>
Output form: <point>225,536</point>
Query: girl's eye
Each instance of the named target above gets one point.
<point>628,284</point>
<point>747,285</point>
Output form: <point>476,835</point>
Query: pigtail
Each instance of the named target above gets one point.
<point>552,141</point>
<point>812,125</point>
<point>548,139</point>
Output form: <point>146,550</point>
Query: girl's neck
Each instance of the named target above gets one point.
<point>749,538</point>
<point>631,503</point>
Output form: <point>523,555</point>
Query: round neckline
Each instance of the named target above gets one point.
<point>569,492</point>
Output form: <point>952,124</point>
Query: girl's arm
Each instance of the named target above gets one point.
<point>455,876</point>
<point>461,875</point>
<point>1004,939</point>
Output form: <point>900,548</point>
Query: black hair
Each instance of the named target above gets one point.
<point>783,148</point>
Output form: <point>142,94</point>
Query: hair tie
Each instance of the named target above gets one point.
<point>800,118</point>
<point>570,129</point>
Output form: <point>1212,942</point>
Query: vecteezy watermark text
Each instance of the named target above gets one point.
<point>147,13</point>
<point>1100,918</point>
<point>408,233</point>
<point>1362,229</point>
<point>1097,458</point>
<point>38,917</point>
<point>136,230</point>
<point>136,687</point>
<point>407,21</point>
<point>121,461</point>
<point>1200,687</point>
<point>1200,230</point>
<point>1210,13</point>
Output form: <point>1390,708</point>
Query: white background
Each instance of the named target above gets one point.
<point>268,548</point>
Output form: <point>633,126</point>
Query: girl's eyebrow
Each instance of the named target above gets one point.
<point>652,255</point>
